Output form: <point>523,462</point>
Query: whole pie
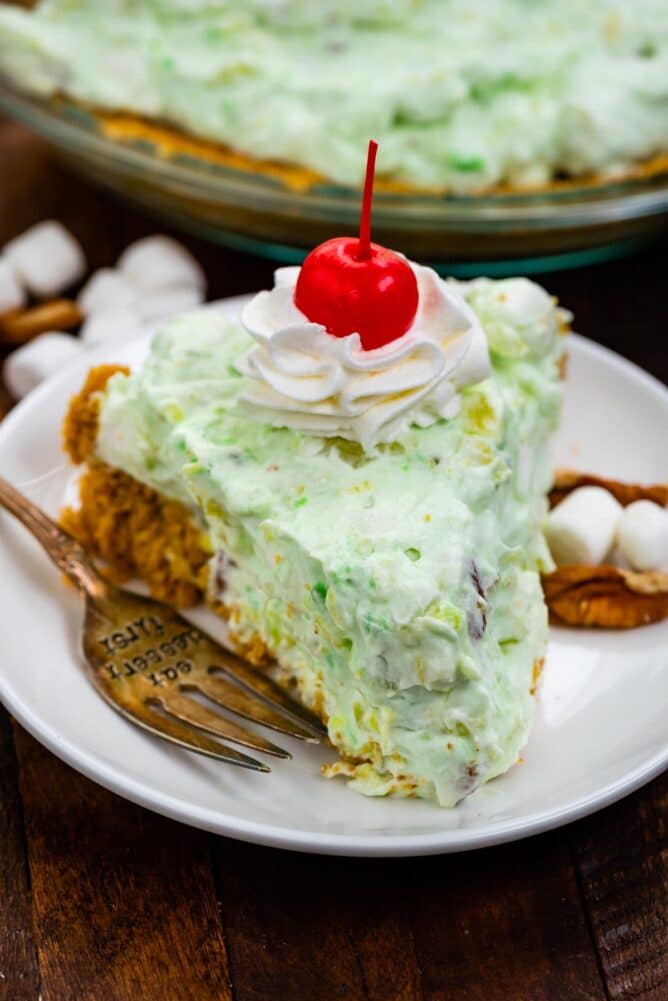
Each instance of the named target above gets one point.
<point>464,96</point>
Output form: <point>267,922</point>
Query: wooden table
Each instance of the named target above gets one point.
<point>103,901</point>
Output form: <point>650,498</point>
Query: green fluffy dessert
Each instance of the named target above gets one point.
<point>396,582</point>
<point>496,92</point>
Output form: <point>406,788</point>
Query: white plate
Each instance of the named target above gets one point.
<point>600,730</point>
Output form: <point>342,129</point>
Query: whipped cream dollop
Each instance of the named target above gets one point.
<point>304,378</point>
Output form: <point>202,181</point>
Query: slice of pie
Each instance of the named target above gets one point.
<point>368,519</point>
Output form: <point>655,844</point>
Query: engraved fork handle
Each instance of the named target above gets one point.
<point>68,555</point>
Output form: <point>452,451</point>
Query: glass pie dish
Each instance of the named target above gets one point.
<point>283,212</point>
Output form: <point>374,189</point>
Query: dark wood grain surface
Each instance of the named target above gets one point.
<point>103,901</point>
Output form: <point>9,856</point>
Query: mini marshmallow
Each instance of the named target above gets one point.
<point>642,535</point>
<point>158,262</point>
<point>107,291</point>
<point>101,328</point>
<point>46,259</point>
<point>28,366</point>
<point>12,295</point>
<point>582,528</point>
<point>159,305</point>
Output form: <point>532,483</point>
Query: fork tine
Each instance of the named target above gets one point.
<point>187,710</point>
<point>184,736</point>
<point>259,684</point>
<point>240,701</point>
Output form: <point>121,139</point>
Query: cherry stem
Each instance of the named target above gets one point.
<point>364,245</point>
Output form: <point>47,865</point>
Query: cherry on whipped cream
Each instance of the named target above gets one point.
<point>351,285</point>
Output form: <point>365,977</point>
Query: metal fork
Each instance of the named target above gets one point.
<point>148,662</point>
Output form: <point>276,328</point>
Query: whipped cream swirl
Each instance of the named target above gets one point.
<point>307,379</point>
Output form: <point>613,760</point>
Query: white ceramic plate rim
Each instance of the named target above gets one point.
<point>221,823</point>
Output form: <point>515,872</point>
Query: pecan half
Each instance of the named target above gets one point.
<point>21,325</point>
<point>566,480</point>
<point>606,596</point>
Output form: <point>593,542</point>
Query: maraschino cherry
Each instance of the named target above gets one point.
<point>351,285</point>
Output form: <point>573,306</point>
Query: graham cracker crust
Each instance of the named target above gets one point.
<point>131,528</point>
